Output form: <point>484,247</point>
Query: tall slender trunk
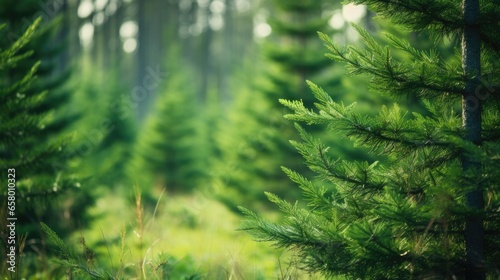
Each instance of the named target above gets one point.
<point>62,36</point>
<point>471,122</point>
<point>229,51</point>
<point>206,56</point>
<point>141,54</point>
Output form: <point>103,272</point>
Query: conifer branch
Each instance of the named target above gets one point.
<point>392,76</point>
<point>421,14</point>
<point>407,212</point>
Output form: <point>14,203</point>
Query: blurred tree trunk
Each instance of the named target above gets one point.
<point>149,51</point>
<point>187,20</point>
<point>206,54</point>
<point>63,37</point>
<point>141,55</point>
<point>108,50</point>
<point>228,50</point>
<point>115,46</point>
<point>100,46</point>
<point>74,48</point>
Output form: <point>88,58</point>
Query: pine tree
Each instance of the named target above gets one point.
<point>35,128</point>
<point>170,149</point>
<point>254,139</point>
<point>250,158</point>
<point>430,209</point>
<point>15,105</point>
<point>25,149</point>
<point>109,132</point>
<point>34,119</point>
<point>294,57</point>
<point>296,53</point>
<point>38,150</point>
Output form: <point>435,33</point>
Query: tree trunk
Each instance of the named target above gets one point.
<point>141,55</point>
<point>206,55</point>
<point>63,60</point>
<point>471,121</point>
<point>228,56</point>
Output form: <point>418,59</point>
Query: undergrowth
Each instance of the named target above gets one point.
<point>86,264</point>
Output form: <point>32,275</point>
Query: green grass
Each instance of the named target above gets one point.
<point>177,237</point>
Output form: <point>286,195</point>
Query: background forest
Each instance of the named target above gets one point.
<point>155,139</point>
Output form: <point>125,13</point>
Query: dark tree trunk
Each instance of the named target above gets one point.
<point>471,118</point>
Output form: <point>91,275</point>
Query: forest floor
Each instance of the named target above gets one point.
<point>183,235</point>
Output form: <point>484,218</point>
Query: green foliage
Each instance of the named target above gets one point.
<point>71,260</point>
<point>26,145</point>
<point>250,158</point>
<point>83,266</point>
<point>105,138</point>
<point>199,244</point>
<point>255,137</point>
<point>405,216</point>
<point>34,124</point>
<point>170,149</point>
<point>425,75</point>
<point>296,56</point>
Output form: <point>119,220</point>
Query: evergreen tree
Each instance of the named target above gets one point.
<point>294,56</point>
<point>9,133</point>
<point>36,120</point>
<point>254,139</point>
<point>115,149</point>
<point>26,147</point>
<point>109,132</point>
<point>430,210</point>
<point>250,158</point>
<point>169,149</point>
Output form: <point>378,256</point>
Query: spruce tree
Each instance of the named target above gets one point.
<point>250,158</point>
<point>39,150</point>
<point>26,149</point>
<point>169,149</point>
<point>429,208</point>
<point>293,56</point>
<point>109,132</point>
<point>35,121</point>
<point>254,140</point>
<point>9,105</point>
<point>35,128</point>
